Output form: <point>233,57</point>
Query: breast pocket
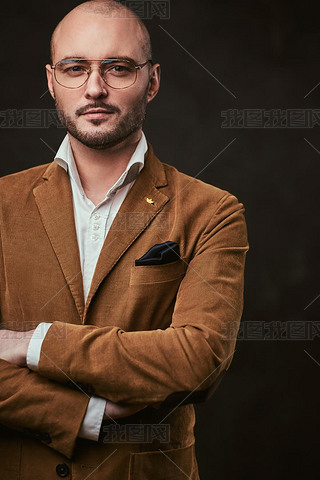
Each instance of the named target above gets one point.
<point>151,294</point>
<point>152,274</point>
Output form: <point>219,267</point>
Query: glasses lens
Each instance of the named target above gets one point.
<point>118,74</point>
<point>72,73</point>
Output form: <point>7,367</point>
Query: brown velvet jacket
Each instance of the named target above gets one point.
<point>161,335</point>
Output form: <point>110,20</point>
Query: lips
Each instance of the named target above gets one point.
<point>97,110</point>
<point>97,114</point>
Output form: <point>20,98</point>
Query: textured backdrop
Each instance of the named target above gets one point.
<point>237,108</point>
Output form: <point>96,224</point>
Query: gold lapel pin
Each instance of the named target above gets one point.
<point>149,200</point>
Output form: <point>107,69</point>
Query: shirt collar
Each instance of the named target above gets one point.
<point>64,157</point>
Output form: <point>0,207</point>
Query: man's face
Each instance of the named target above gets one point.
<point>94,37</point>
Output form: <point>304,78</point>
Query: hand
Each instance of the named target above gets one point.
<point>14,346</point>
<point>119,410</point>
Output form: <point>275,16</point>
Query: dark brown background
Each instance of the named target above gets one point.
<point>263,422</point>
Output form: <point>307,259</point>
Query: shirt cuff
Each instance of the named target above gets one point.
<point>91,425</point>
<point>35,344</point>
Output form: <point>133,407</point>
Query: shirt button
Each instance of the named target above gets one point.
<point>95,237</point>
<point>95,226</point>
<point>62,470</point>
<point>96,216</point>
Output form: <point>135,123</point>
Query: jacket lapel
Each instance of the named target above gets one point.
<point>54,200</point>
<point>142,204</point>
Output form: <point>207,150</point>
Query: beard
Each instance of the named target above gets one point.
<point>130,123</point>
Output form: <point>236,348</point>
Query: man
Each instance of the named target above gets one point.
<point>121,278</point>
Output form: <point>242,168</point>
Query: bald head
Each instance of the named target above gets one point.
<point>106,9</point>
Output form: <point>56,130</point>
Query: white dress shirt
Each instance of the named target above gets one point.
<point>92,225</point>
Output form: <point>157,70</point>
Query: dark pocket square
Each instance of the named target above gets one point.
<point>159,254</point>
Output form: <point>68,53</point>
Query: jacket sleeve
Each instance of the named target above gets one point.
<point>40,408</point>
<point>191,354</point>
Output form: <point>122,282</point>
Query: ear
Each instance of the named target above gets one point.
<point>49,73</point>
<point>154,82</point>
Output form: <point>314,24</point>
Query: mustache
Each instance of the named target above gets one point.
<point>106,106</point>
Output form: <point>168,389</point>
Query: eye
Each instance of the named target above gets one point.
<point>119,68</point>
<point>75,68</point>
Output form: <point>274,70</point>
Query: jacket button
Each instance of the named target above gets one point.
<point>62,470</point>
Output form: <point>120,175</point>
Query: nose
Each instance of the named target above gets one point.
<point>95,86</point>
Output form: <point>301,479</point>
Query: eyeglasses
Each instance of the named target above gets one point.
<point>116,72</point>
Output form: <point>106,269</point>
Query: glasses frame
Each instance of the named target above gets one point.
<point>137,66</point>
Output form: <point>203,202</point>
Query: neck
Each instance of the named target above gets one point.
<point>100,169</point>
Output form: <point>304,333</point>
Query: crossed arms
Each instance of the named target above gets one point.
<point>138,367</point>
